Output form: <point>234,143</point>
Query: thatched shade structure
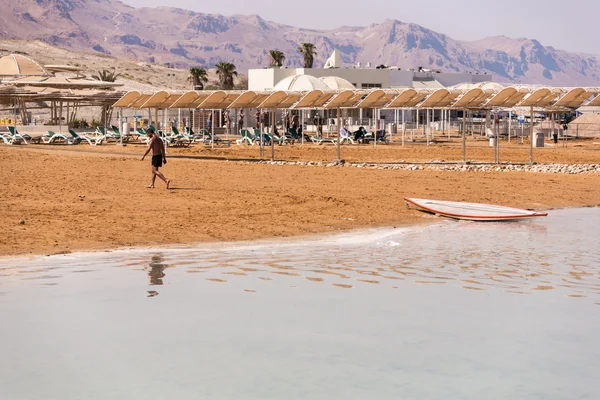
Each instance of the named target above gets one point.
<point>61,82</point>
<point>17,65</point>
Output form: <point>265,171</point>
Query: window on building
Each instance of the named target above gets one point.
<point>370,85</point>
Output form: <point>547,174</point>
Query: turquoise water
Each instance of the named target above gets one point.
<point>456,310</point>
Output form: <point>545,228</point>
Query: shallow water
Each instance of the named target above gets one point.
<point>456,310</point>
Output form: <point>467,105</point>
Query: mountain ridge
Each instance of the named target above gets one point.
<point>187,38</point>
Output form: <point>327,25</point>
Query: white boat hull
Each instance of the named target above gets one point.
<point>471,211</point>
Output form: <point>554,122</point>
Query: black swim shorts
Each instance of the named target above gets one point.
<point>157,160</point>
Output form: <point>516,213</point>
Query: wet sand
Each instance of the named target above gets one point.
<point>89,198</point>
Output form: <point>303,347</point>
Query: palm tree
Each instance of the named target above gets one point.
<point>277,58</point>
<point>308,50</point>
<point>226,71</point>
<point>106,76</point>
<point>198,77</point>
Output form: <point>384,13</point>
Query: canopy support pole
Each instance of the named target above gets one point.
<point>509,125</point>
<point>464,136</point>
<point>339,144</point>
<point>60,118</point>
<point>531,136</point>
<point>273,124</point>
<point>403,127</point>
<point>262,143</point>
<point>428,121</point>
<point>497,141</point>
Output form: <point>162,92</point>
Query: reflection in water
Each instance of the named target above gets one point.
<point>436,312</point>
<point>156,273</point>
<point>556,254</point>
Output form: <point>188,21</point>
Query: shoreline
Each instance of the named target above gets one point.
<point>333,237</point>
<point>263,241</point>
<point>93,201</point>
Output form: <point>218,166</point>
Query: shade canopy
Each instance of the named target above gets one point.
<point>476,97</point>
<point>13,94</point>
<point>60,82</point>
<point>18,65</point>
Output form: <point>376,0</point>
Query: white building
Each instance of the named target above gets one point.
<point>370,77</point>
<point>333,77</point>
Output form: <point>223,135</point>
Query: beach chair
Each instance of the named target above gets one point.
<point>17,137</point>
<point>382,138</point>
<point>117,135</point>
<point>142,136</point>
<point>283,139</point>
<point>246,137</point>
<point>92,141</point>
<point>293,135</point>
<point>321,140</point>
<point>9,138</point>
<point>265,137</point>
<point>195,137</point>
<point>51,137</point>
<point>345,137</point>
<point>298,135</point>
<point>100,131</point>
<point>208,140</point>
<point>178,139</point>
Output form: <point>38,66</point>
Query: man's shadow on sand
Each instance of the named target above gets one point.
<point>183,188</point>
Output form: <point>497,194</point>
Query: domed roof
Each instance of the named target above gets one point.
<point>19,65</point>
<point>300,83</point>
<point>337,83</point>
<point>483,86</point>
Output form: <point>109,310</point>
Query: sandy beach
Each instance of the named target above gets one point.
<point>93,198</point>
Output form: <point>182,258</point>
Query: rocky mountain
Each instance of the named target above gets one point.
<point>185,38</point>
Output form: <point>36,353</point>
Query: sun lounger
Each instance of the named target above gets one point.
<point>209,140</point>
<point>321,140</point>
<point>116,135</point>
<point>93,140</point>
<point>246,137</point>
<point>142,136</point>
<point>345,137</point>
<point>195,137</point>
<point>382,138</point>
<point>100,131</point>
<point>51,137</point>
<point>13,137</point>
<point>8,138</point>
<point>283,139</point>
<point>177,139</point>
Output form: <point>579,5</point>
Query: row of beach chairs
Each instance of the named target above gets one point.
<point>71,137</point>
<point>175,138</point>
<point>252,137</point>
<point>101,135</point>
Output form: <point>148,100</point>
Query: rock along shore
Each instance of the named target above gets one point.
<point>442,166</point>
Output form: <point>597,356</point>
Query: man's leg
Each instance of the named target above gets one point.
<point>154,170</point>
<point>160,175</point>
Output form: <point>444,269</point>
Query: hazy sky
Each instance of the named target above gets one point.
<point>564,25</point>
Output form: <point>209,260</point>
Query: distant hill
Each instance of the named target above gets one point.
<point>185,38</point>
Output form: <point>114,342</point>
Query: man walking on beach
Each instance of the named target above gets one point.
<point>159,156</point>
